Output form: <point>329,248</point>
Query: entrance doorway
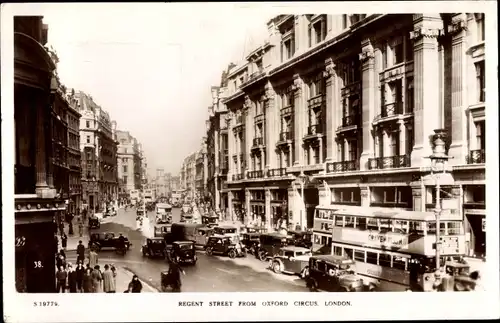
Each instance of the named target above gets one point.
<point>477,235</point>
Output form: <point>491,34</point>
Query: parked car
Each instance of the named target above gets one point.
<point>300,239</point>
<point>224,246</point>
<point>154,247</point>
<point>183,252</point>
<point>251,242</point>
<point>106,240</point>
<point>333,273</point>
<point>293,260</point>
<point>270,245</point>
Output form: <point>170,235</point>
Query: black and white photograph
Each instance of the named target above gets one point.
<point>241,158</point>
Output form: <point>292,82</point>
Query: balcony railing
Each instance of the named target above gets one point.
<point>238,177</point>
<point>314,129</point>
<point>286,135</point>
<point>476,157</point>
<point>391,109</point>
<point>343,166</point>
<point>277,172</point>
<point>286,110</point>
<point>259,141</point>
<point>389,162</point>
<point>255,174</point>
<point>316,101</point>
<point>260,118</point>
<point>226,151</point>
<point>350,120</point>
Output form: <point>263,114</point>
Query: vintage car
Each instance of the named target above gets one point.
<point>202,235</point>
<point>182,252</point>
<point>102,240</point>
<point>270,244</point>
<point>300,239</point>
<point>333,273</point>
<point>140,212</point>
<point>223,245</point>
<point>154,247</point>
<point>292,260</point>
<point>228,231</point>
<point>161,229</point>
<point>250,241</point>
<point>94,222</point>
<point>209,220</point>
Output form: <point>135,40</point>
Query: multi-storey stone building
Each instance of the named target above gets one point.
<point>74,154</point>
<point>129,163</point>
<point>36,201</point>
<point>201,172</point>
<point>188,175</point>
<point>339,109</point>
<point>99,153</point>
<point>217,148</point>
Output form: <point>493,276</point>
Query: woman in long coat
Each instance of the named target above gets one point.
<point>96,279</point>
<point>87,281</point>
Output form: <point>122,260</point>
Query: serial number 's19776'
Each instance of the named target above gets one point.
<point>45,304</point>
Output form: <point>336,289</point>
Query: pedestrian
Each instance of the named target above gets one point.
<point>96,279</point>
<point>61,227</point>
<point>135,285</point>
<point>56,243</point>
<point>80,251</point>
<point>80,272</point>
<point>93,258</point>
<point>87,280</point>
<point>70,222</point>
<point>61,277</point>
<point>61,260</point>
<point>113,270</point>
<point>80,226</point>
<point>64,241</point>
<point>72,285</point>
<point>108,282</point>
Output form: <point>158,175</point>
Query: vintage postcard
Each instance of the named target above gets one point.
<point>249,162</point>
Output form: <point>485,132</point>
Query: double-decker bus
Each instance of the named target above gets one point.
<point>134,196</point>
<point>393,250</point>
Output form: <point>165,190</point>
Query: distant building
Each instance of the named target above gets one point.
<point>129,163</point>
<point>99,153</point>
<point>74,154</point>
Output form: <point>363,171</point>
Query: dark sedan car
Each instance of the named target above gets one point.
<point>106,240</point>
<point>183,252</point>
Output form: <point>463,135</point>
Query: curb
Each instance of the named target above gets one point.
<point>143,280</point>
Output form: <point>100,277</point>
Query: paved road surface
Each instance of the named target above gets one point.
<point>210,274</point>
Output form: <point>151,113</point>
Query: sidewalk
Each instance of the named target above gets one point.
<point>123,278</point>
<point>73,239</point>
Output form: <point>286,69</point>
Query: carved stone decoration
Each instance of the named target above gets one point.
<point>426,33</point>
<point>457,27</point>
<point>297,83</point>
<point>366,55</point>
<point>247,103</point>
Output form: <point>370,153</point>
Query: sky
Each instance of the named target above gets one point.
<point>151,67</point>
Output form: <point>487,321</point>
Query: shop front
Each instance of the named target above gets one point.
<point>257,214</point>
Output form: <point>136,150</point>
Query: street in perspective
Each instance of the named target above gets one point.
<point>281,153</point>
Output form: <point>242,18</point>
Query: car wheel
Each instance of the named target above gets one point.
<point>277,267</point>
<point>209,251</point>
<point>304,273</point>
<point>144,253</point>
<point>232,254</point>
<point>262,255</point>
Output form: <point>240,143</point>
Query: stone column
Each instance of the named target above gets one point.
<point>298,115</point>
<point>320,150</point>
<point>365,196</point>
<point>217,151</point>
<point>267,209</point>
<point>345,147</point>
<point>402,137</point>
<point>41,148</point>
<point>269,129</point>
<point>238,152</point>
<point>230,196</point>
<point>386,143</point>
<point>247,205</point>
<point>369,86</point>
<point>458,34</point>
<point>249,130</point>
<point>331,104</point>
<point>427,115</point>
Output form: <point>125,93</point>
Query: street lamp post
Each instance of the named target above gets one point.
<point>438,161</point>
